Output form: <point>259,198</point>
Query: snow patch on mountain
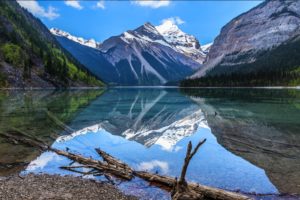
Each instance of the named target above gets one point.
<point>90,43</point>
<point>181,42</point>
<point>144,34</point>
<point>205,48</point>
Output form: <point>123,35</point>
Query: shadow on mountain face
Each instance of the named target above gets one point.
<point>262,126</point>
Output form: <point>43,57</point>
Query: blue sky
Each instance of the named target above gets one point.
<point>102,19</point>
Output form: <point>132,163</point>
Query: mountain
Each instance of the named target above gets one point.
<point>183,43</point>
<point>30,55</point>
<point>89,43</point>
<point>259,47</point>
<point>137,57</point>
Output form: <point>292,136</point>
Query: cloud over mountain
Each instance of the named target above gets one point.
<point>36,9</point>
<point>174,20</point>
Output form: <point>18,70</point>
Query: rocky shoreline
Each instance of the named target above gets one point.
<point>57,187</point>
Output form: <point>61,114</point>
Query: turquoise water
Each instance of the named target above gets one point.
<point>253,136</point>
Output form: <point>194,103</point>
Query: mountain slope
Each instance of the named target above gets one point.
<point>136,57</point>
<point>31,57</point>
<point>259,47</point>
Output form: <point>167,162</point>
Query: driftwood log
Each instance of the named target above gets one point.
<point>181,190</point>
<point>110,166</point>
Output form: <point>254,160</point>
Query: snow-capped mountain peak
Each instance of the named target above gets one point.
<point>183,42</point>
<point>149,33</point>
<point>90,43</point>
<point>142,56</point>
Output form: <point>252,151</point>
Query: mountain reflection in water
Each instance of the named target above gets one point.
<point>26,111</point>
<point>260,125</point>
<point>150,128</point>
<point>151,116</point>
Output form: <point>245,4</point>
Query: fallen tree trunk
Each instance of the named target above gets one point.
<point>114,167</point>
<point>4,165</point>
<point>113,161</point>
<point>96,164</point>
<point>168,182</point>
<point>18,137</point>
<point>208,192</point>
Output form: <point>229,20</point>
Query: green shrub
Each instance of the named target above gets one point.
<point>13,54</point>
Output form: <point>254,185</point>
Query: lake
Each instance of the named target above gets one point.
<point>253,135</point>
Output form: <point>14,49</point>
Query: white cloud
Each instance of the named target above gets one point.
<point>74,4</point>
<point>148,166</point>
<point>100,4</point>
<point>173,20</point>
<point>37,10</point>
<point>153,3</point>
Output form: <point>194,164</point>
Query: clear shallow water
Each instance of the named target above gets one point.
<point>252,135</point>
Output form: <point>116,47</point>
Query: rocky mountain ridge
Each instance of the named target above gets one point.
<point>184,43</point>
<point>262,29</point>
<point>90,43</point>
<point>142,56</point>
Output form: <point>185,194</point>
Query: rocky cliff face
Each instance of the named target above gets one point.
<point>263,28</point>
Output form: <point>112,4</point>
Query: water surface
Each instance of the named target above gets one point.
<point>253,136</point>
